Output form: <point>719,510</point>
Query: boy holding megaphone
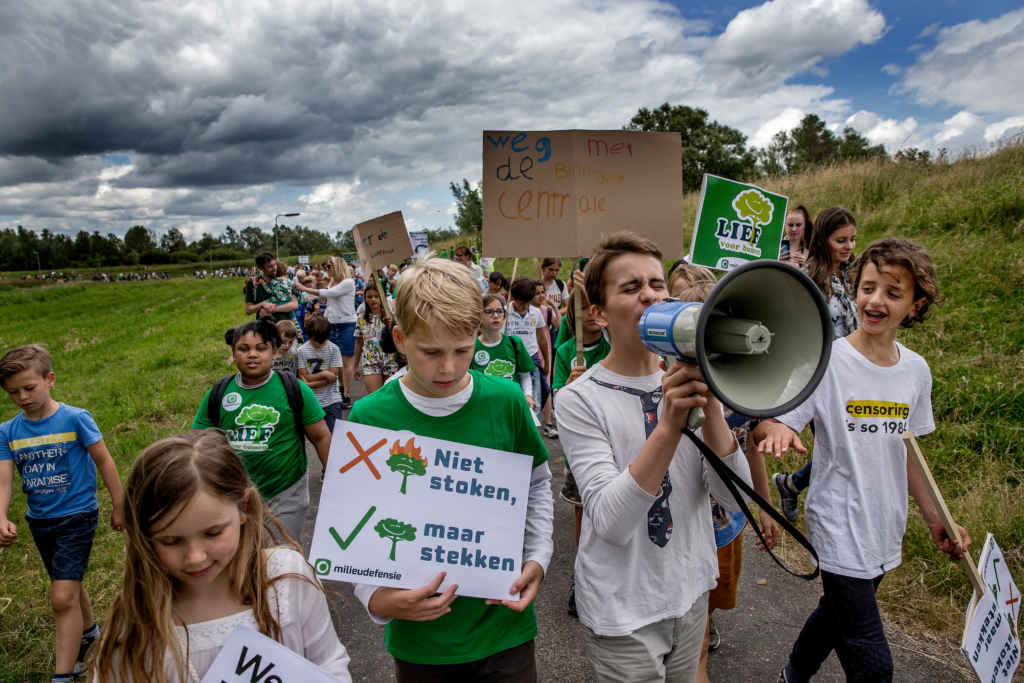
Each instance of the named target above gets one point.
<point>647,557</point>
<point>873,392</point>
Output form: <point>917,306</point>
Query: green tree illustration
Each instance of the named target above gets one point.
<point>396,531</point>
<point>755,206</point>
<point>407,460</point>
<point>500,368</point>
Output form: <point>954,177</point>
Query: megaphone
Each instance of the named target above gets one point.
<point>762,339</point>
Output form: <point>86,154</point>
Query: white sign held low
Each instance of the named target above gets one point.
<point>991,641</point>
<point>398,509</point>
<point>251,656</point>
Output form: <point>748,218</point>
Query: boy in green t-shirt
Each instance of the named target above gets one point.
<point>438,637</point>
<point>258,422</point>
<point>500,355</point>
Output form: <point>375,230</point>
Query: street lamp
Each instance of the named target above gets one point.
<point>39,265</point>
<point>277,242</point>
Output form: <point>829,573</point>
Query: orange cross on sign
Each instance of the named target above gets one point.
<point>363,455</point>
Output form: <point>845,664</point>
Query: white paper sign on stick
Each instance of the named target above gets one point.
<point>554,193</point>
<point>398,509</point>
<point>991,641</point>
<point>382,241</point>
<point>419,239</point>
<point>251,656</point>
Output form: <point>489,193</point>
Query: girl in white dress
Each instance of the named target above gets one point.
<point>197,565</point>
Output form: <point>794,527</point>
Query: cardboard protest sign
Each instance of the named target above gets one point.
<point>554,193</point>
<point>419,242</point>
<point>398,509</point>
<point>736,223</point>
<point>991,641</point>
<point>382,241</point>
<point>249,655</point>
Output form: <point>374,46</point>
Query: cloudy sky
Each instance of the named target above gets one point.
<point>200,114</point>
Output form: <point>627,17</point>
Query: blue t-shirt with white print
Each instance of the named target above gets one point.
<point>58,475</point>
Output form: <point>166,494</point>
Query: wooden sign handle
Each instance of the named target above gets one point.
<point>508,304</point>
<point>384,308</point>
<point>577,298</point>
<point>915,454</point>
<point>536,269</point>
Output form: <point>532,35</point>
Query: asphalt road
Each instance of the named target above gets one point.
<point>756,636</point>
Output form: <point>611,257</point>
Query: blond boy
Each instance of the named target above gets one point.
<point>57,450</point>
<point>437,314</point>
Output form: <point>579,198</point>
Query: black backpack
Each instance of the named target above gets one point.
<point>291,389</point>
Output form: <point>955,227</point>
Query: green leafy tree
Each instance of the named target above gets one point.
<point>253,239</point>
<point>344,240</point>
<point>708,146</point>
<point>172,241</point>
<point>812,144</point>
<point>396,531</point>
<point>469,210</point>
<point>138,239</point>
<point>407,460</point>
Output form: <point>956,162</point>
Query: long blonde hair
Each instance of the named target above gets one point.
<point>339,271</point>
<point>165,477</point>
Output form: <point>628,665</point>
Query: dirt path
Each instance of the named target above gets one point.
<point>756,636</point>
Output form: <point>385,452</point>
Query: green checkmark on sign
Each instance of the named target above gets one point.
<point>345,543</point>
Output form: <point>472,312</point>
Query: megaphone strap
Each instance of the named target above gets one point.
<point>732,481</point>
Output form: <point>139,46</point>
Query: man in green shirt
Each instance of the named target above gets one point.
<point>258,421</point>
<point>257,298</point>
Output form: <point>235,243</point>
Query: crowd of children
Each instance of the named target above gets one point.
<point>212,517</point>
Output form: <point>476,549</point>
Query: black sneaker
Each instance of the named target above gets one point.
<point>787,496</point>
<point>715,640</point>
<point>346,403</point>
<point>79,671</point>
<point>572,602</point>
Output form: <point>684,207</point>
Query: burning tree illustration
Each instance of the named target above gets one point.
<point>755,206</point>
<point>396,531</point>
<point>406,459</point>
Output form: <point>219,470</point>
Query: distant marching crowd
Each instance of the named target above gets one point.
<point>449,349</point>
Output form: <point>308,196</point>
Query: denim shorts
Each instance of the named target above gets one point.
<point>343,335</point>
<point>65,543</point>
<point>332,413</point>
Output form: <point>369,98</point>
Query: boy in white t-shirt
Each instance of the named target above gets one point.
<point>873,392</point>
<point>647,556</point>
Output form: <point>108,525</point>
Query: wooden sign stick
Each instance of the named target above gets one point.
<point>536,268</point>
<point>508,304</point>
<point>384,308</point>
<point>577,298</point>
<point>915,454</point>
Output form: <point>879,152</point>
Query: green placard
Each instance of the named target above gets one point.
<point>736,223</point>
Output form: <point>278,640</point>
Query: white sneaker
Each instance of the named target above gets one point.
<point>550,431</point>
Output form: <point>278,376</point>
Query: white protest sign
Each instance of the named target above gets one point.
<point>382,241</point>
<point>397,509</point>
<point>251,656</point>
<point>991,641</point>
<point>418,239</point>
<point>304,259</point>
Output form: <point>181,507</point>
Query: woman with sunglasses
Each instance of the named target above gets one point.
<point>341,313</point>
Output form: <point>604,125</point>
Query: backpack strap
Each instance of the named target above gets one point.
<point>216,396</point>
<point>295,400</point>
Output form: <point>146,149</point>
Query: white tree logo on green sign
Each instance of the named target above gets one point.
<point>751,204</point>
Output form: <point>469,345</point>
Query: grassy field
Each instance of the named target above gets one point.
<point>141,355</point>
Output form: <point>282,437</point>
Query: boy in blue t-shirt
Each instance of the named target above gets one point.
<point>57,450</point>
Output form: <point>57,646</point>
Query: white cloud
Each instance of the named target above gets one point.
<point>787,120</point>
<point>892,69</point>
<point>965,128</point>
<point>1007,127</point>
<point>765,45</point>
<point>977,65</point>
<point>930,29</point>
<point>892,133</point>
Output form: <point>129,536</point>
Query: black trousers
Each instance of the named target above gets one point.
<point>846,620</point>
<point>515,665</point>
